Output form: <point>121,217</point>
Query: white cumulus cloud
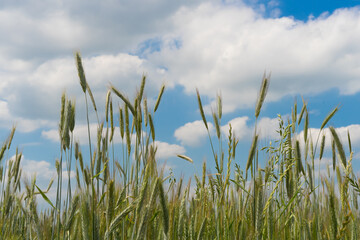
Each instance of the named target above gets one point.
<point>166,150</point>
<point>193,133</point>
<point>229,47</point>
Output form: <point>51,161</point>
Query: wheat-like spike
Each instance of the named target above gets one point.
<point>87,176</point>
<point>203,176</point>
<point>96,230</point>
<point>99,137</point>
<point>179,187</point>
<point>345,224</point>
<point>143,222</point>
<point>81,162</point>
<point>57,165</point>
<point>133,122</point>
<point>78,177</point>
<point>146,113</point>
<point>334,224</point>
<point>159,97</point>
<point>127,130</point>
<point>262,94</point>
<point>125,99</point>
<point>227,178</point>
<point>328,117</point>
<point>76,151</point>
<point>16,166</point>
<point>139,120</point>
<point>306,126</point>
<point>185,158</point>
<point>280,180</point>
<point>2,151</point>
<point>98,163</point>
<point>91,96</point>
<point>165,211</point>
<point>349,140</point>
<point>107,103</point>
<point>110,202</point>
<point>322,146</point>
<point>202,229</point>
<point>289,183</point>
<point>333,150</point>
<point>35,218</point>
<point>142,226</point>
<point>312,156</point>
<point>235,142</point>
<point>136,104</point>
<point>270,222</point>
<point>344,193</point>
<point>121,198</point>
<point>70,218</point>
<point>62,113</point>
<point>143,191</point>
<point>201,109</point>
<point>121,122</point>
<point>172,218</point>
<point>117,220</point>
<point>142,87</point>
<point>338,146</point>
<point>302,111</point>
<point>339,178</point>
<point>65,133</point>
<point>72,117</point>
<point>111,122</point>
<point>259,207</point>
<point>217,126</point>
<point>212,187</point>
<point>299,164</point>
<point>81,72</point>
<point>152,129</point>
<point>181,217</point>
<point>192,224</point>
<point>219,105</point>
<point>294,116</point>
<point>17,180</point>
<point>75,233</point>
<point>310,176</point>
<point>293,120</point>
<point>252,152</point>
<point>85,219</point>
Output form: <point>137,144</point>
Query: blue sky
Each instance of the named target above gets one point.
<point>311,49</point>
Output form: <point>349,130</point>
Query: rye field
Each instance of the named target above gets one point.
<point>130,196</point>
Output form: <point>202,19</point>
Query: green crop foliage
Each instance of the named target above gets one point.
<point>117,197</point>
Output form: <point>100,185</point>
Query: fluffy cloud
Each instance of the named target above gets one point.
<point>193,133</point>
<point>22,124</point>
<point>173,41</point>
<point>232,54</point>
<point>44,173</point>
<point>30,168</point>
<point>81,134</point>
<point>43,170</point>
<point>267,127</point>
<point>36,96</point>
<point>353,129</point>
<point>239,126</point>
<point>244,131</point>
<point>36,31</point>
<point>166,150</point>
